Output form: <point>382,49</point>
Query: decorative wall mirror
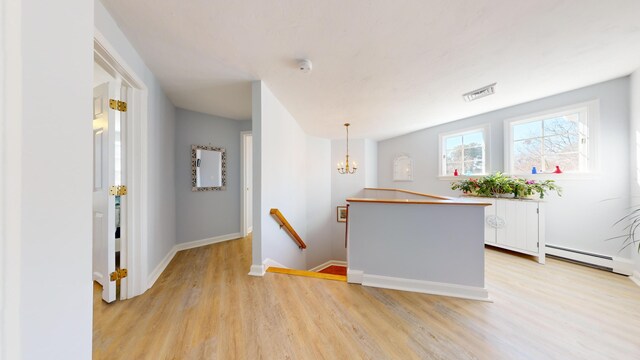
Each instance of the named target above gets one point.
<point>208,168</point>
<point>402,168</point>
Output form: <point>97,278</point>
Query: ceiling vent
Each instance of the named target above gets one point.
<point>480,93</point>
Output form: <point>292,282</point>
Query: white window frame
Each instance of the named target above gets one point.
<point>589,118</point>
<point>486,131</point>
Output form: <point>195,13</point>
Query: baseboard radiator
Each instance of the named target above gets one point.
<point>598,261</point>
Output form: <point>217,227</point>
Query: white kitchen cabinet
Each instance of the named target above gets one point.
<point>516,225</point>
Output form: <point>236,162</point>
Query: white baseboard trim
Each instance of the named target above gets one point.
<point>617,264</point>
<point>209,241</point>
<point>267,263</point>
<point>419,286</point>
<point>327,264</point>
<point>635,277</point>
<point>155,274</point>
<point>257,270</point>
<point>354,276</point>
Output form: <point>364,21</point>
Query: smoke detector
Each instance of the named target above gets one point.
<point>480,93</point>
<point>305,65</point>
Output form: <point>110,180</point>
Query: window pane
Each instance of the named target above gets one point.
<point>561,143</point>
<point>527,154</point>
<point>473,139</point>
<point>464,152</point>
<point>562,125</point>
<point>473,153</point>
<point>452,142</point>
<point>473,167</point>
<point>568,162</point>
<point>452,166</point>
<point>552,141</point>
<point>527,130</point>
<point>454,156</point>
<point>453,160</point>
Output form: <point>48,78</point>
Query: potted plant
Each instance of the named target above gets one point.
<point>500,185</point>
<point>629,236</point>
<point>541,187</point>
<point>497,185</point>
<point>467,186</point>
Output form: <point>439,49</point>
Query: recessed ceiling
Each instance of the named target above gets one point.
<point>387,67</point>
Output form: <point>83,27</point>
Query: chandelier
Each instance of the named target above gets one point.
<point>344,167</point>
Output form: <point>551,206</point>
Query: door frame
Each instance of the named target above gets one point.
<point>244,207</point>
<point>136,175</point>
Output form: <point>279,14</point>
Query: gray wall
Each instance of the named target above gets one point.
<point>420,242</point>
<point>206,214</point>
<point>320,214</point>
<point>160,148</point>
<point>282,170</point>
<point>634,151</point>
<point>583,217</point>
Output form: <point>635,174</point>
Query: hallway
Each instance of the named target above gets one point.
<point>205,306</point>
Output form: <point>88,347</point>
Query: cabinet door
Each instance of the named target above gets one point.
<point>520,219</point>
<point>490,222</point>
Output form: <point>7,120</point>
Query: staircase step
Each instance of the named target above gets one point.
<point>312,274</point>
<point>335,270</point>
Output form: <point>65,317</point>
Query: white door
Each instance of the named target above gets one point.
<point>104,226</point>
<point>249,182</point>
<point>491,221</point>
<point>520,229</point>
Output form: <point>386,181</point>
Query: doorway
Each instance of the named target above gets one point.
<point>130,95</point>
<point>107,174</point>
<point>246,146</point>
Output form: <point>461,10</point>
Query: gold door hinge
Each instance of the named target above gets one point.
<point>118,105</point>
<point>118,274</point>
<point>118,190</point>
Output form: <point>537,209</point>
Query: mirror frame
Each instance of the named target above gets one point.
<point>193,168</point>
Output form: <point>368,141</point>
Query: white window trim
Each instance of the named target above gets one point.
<point>486,133</point>
<point>592,110</point>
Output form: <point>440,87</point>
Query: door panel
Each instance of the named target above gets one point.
<point>520,224</point>
<point>531,228</point>
<point>249,189</point>
<point>104,205</point>
<point>490,222</point>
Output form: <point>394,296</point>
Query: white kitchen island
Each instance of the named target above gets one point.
<point>409,241</point>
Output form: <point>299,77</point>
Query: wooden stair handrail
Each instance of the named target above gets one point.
<point>282,221</point>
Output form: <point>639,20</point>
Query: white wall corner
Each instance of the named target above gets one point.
<point>635,277</point>
<point>427,287</point>
<point>257,270</point>
<point>272,263</point>
<point>354,276</point>
<point>155,274</point>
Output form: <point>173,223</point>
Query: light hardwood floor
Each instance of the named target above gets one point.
<point>205,306</point>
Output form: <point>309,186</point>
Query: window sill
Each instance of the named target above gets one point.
<point>562,176</point>
<point>460,177</point>
<point>543,176</point>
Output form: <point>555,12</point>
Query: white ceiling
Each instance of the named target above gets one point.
<point>387,67</point>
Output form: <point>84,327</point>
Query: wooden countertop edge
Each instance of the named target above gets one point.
<point>419,202</point>
<point>411,192</point>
